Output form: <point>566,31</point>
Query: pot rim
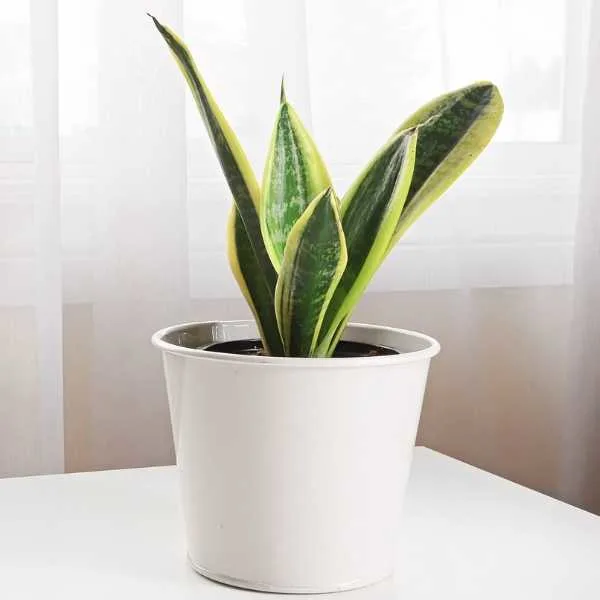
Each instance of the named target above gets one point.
<point>428,352</point>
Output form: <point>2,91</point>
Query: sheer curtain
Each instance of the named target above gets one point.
<point>113,210</point>
<point>581,480</point>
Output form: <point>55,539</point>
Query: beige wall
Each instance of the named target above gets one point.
<point>496,396</point>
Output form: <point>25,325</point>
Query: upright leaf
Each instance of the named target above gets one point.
<point>234,163</point>
<point>250,253</point>
<point>453,130</point>
<point>313,262</point>
<point>294,174</point>
<point>370,212</point>
<point>248,274</point>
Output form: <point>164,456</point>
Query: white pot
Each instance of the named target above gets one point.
<point>293,469</point>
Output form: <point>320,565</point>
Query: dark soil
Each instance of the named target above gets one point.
<point>343,350</point>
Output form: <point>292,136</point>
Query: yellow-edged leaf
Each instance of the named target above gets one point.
<point>294,174</point>
<point>313,262</point>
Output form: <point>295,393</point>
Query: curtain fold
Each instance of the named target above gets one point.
<point>581,439</point>
<point>47,227</point>
<point>140,263</point>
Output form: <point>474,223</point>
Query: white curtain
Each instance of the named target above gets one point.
<point>581,439</point>
<point>112,211</point>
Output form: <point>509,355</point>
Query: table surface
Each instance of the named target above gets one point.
<point>466,534</point>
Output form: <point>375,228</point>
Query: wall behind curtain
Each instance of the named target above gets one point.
<point>112,208</point>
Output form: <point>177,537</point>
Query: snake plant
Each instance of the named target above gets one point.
<point>302,256</point>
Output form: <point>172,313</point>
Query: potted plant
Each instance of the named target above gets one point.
<point>294,433</point>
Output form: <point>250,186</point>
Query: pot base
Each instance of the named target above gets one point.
<point>260,586</point>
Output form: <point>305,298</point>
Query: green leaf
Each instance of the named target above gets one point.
<point>370,212</point>
<point>453,130</point>
<point>313,262</point>
<point>294,174</point>
<point>251,253</point>
<point>234,163</point>
<point>257,291</point>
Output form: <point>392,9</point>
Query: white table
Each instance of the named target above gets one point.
<point>467,534</point>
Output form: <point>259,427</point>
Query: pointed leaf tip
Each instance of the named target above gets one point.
<point>154,19</point>
<point>282,97</point>
<point>164,31</point>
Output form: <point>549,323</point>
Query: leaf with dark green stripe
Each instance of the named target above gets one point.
<point>229,151</point>
<point>370,212</point>
<point>313,262</point>
<point>242,183</point>
<point>294,175</point>
<point>249,276</point>
<point>453,130</point>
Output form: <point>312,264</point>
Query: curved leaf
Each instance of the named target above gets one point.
<point>294,174</point>
<point>259,289</point>
<point>370,212</point>
<point>453,130</point>
<point>313,262</point>
<point>256,290</point>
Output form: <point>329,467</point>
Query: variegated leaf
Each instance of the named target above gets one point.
<point>294,174</point>
<point>249,276</point>
<point>453,130</point>
<point>370,212</point>
<point>250,261</point>
<point>313,262</point>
